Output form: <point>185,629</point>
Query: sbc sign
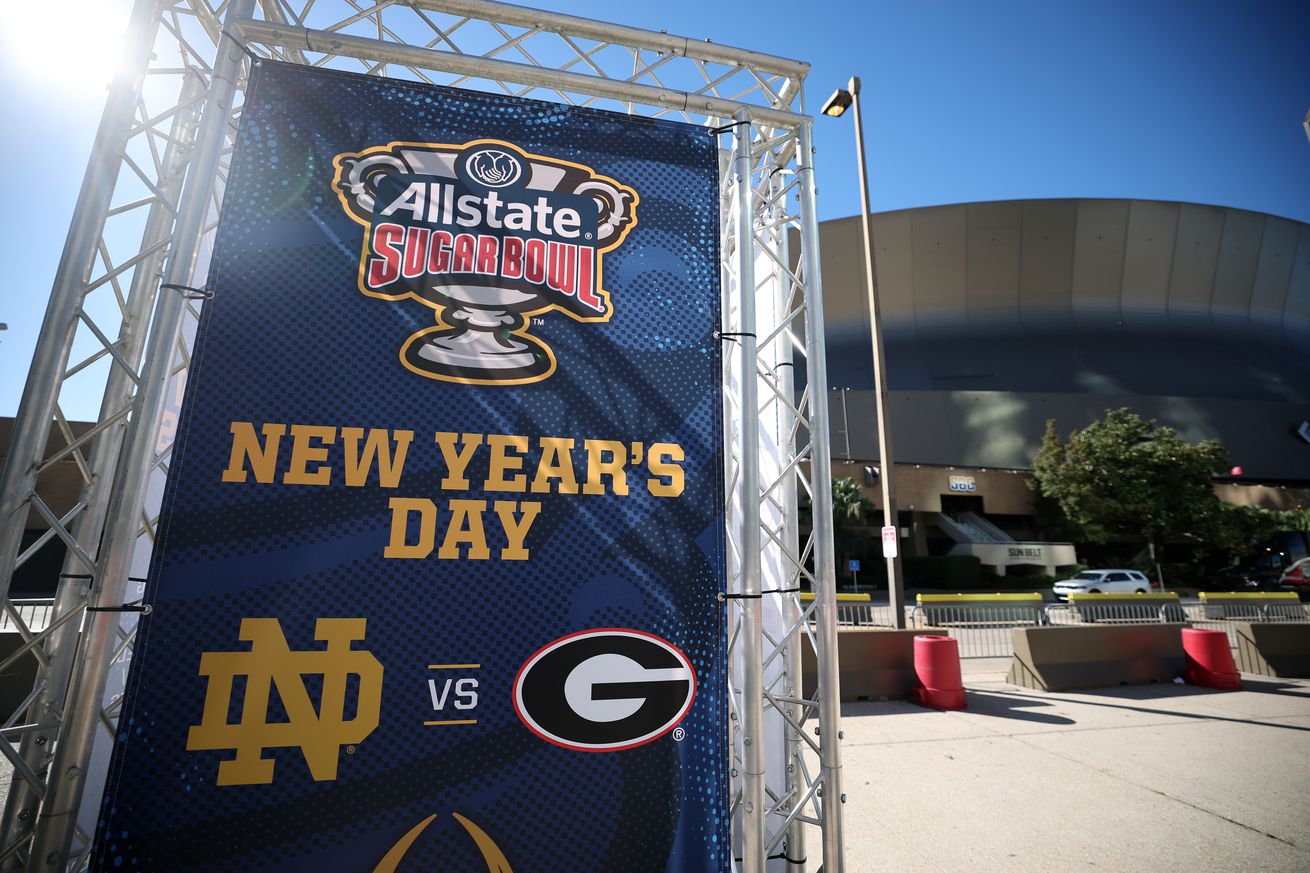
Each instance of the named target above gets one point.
<point>966,484</point>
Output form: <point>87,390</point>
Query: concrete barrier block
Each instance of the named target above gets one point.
<point>873,663</point>
<point>1097,656</point>
<point>1280,649</point>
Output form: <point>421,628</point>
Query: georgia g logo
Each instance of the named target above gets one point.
<point>604,690</point>
<point>487,235</point>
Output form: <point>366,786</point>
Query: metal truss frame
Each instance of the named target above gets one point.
<point>122,314</point>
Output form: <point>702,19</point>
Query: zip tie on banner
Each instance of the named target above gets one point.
<point>724,596</point>
<point>781,856</point>
<point>254,58</point>
<point>136,606</point>
<point>727,335</point>
<point>715,131</point>
<point>194,293</point>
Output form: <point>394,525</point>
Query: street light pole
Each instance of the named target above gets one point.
<point>835,106</point>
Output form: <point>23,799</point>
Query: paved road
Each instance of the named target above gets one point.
<point>1143,779</point>
<point>1146,778</point>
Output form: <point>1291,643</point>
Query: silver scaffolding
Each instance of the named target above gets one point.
<point>121,315</point>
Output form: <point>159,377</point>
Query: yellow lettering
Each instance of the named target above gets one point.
<point>503,462</point>
<point>401,507</point>
<point>598,467</point>
<point>516,529</point>
<point>457,460</point>
<point>664,461</point>
<point>465,528</point>
<point>304,453</point>
<point>556,463</point>
<point>246,447</point>
<point>377,449</point>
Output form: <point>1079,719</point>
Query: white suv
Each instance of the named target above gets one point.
<point>1103,582</point>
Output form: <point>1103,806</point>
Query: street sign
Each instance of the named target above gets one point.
<point>889,541</point>
<point>854,565</point>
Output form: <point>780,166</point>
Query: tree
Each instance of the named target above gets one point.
<point>1296,518</point>
<point>847,501</point>
<point>1124,474</point>
<point>1049,519</point>
<point>850,536</point>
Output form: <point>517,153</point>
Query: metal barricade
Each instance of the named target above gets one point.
<point>1126,609</point>
<point>1221,610</point>
<point>982,624</point>
<point>856,610</point>
<point>34,613</point>
<point>1261,606</point>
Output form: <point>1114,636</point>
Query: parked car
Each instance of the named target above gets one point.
<point>1296,577</point>
<point>1243,579</point>
<point>1113,581</point>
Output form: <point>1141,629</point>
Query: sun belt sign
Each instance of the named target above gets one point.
<point>488,235</point>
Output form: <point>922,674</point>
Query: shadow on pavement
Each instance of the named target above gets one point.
<point>1132,693</point>
<point>1006,706</point>
<point>1266,686</point>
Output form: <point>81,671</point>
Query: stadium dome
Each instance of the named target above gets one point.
<point>998,316</point>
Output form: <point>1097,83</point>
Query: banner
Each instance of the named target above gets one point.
<point>439,571</point>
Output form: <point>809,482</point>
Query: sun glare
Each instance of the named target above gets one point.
<point>73,45</point>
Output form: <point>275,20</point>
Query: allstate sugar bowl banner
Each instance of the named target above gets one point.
<point>436,587</point>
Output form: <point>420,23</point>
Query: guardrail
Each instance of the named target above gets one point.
<point>1254,606</point>
<point>34,612</point>
<point>1221,610</point>
<point>857,610</point>
<point>1123,609</point>
<point>982,624</point>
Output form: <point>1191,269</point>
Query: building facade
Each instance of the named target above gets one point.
<point>999,316</point>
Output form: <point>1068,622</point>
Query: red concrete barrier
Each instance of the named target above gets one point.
<point>937,667</point>
<point>1209,660</point>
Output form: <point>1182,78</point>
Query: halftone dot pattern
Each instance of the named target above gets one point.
<point>290,339</point>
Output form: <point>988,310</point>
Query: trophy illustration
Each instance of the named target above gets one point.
<point>487,235</point>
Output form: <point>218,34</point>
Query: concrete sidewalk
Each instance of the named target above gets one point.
<point>1140,778</point>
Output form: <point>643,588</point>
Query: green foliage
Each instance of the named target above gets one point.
<point>1124,474</point>
<point>1294,519</point>
<point>848,502</point>
<point>851,538</point>
<point>1238,530</point>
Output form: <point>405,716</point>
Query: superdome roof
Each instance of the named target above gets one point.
<point>1077,296</point>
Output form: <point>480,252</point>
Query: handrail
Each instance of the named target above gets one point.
<point>979,598</point>
<point>1166,597</point>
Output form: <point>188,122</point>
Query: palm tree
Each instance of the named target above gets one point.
<point>847,501</point>
<point>848,509</point>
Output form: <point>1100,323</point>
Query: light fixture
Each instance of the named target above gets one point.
<point>841,100</point>
<point>838,103</point>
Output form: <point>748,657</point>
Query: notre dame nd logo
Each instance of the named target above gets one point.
<point>320,733</point>
<point>487,235</point>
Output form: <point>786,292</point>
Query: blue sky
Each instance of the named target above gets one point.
<point>964,101</point>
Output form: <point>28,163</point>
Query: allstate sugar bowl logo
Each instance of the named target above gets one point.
<point>495,168</point>
<point>488,235</point>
